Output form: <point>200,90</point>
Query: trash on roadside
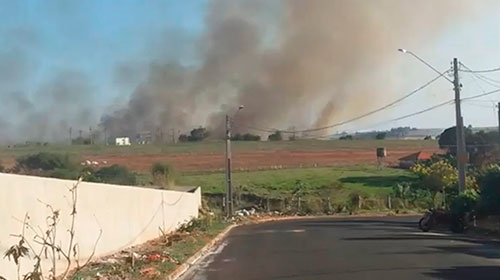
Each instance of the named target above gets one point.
<point>149,271</point>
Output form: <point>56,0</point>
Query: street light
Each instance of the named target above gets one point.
<point>229,190</point>
<point>424,62</point>
<point>461,150</point>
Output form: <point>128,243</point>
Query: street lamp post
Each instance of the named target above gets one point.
<point>461,149</point>
<point>229,189</point>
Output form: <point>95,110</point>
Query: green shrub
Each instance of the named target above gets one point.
<point>163,174</point>
<point>45,161</point>
<point>464,202</point>
<point>62,173</point>
<point>489,183</point>
<point>1,166</point>
<point>115,174</point>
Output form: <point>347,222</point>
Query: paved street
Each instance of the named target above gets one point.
<point>347,248</point>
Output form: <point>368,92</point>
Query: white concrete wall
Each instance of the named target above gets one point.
<point>126,215</point>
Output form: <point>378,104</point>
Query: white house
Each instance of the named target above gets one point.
<point>122,141</point>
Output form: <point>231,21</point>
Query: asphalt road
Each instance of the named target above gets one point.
<point>347,248</point>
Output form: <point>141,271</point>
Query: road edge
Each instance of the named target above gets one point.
<point>181,269</point>
<point>184,267</point>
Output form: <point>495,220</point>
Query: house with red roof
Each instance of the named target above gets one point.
<point>412,159</point>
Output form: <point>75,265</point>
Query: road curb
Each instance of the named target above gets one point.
<point>181,269</point>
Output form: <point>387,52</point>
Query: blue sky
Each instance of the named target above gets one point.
<point>95,37</point>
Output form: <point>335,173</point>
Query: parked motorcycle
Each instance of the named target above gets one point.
<point>432,218</point>
<point>457,223</point>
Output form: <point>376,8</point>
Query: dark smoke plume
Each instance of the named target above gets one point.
<point>291,63</point>
<point>277,57</point>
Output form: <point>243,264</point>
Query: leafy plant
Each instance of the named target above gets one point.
<point>275,136</point>
<point>115,174</point>
<point>489,182</point>
<point>44,161</point>
<point>163,174</point>
<point>464,202</point>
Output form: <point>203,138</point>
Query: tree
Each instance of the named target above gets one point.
<point>440,177</point>
<point>381,135</point>
<point>489,182</point>
<point>162,174</point>
<point>478,145</point>
<point>346,137</point>
<point>275,136</point>
<point>198,134</point>
<point>183,138</point>
<point>245,137</point>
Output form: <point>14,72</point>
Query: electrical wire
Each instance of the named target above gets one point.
<point>488,80</point>
<point>481,71</point>
<point>352,119</point>
<point>480,95</point>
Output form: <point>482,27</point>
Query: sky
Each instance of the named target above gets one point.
<point>105,48</point>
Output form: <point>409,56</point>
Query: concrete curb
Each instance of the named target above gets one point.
<point>180,270</point>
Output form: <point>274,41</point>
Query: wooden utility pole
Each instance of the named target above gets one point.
<point>70,139</point>
<point>229,191</point>
<point>461,151</point>
<point>173,135</point>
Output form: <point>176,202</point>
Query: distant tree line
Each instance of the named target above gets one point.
<point>197,134</point>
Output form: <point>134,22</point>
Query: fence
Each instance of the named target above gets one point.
<point>109,217</point>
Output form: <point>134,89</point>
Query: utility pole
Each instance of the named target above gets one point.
<point>90,135</point>
<point>229,191</point>
<point>461,151</point>
<point>105,137</point>
<point>173,135</point>
<point>498,106</point>
<point>70,139</point>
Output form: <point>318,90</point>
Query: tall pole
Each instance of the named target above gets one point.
<point>498,106</point>
<point>70,139</point>
<point>229,191</point>
<point>461,152</point>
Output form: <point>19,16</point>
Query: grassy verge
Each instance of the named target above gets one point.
<point>369,180</point>
<point>154,259</point>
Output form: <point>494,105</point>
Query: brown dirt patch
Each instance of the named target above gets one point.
<point>255,160</point>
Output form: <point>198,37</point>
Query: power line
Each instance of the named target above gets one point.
<point>408,115</point>
<point>480,95</point>
<point>488,80</point>
<point>480,71</point>
<point>355,118</point>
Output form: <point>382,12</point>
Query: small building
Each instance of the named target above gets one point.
<point>122,141</point>
<point>412,159</point>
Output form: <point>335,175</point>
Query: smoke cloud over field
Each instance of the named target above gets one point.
<point>277,58</point>
<point>290,63</point>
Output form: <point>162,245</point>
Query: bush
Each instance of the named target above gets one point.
<point>45,161</point>
<point>115,174</point>
<point>245,137</point>
<point>464,202</point>
<point>183,138</point>
<point>381,135</point>
<point>1,166</point>
<point>163,174</point>
<point>489,182</point>
<point>346,137</point>
<point>275,136</point>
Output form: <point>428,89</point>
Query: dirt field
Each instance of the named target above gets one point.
<point>256,160</point>
<point>209,156</point>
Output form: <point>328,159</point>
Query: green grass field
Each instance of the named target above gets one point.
<point>367,180</point>
<point>215,146</point>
